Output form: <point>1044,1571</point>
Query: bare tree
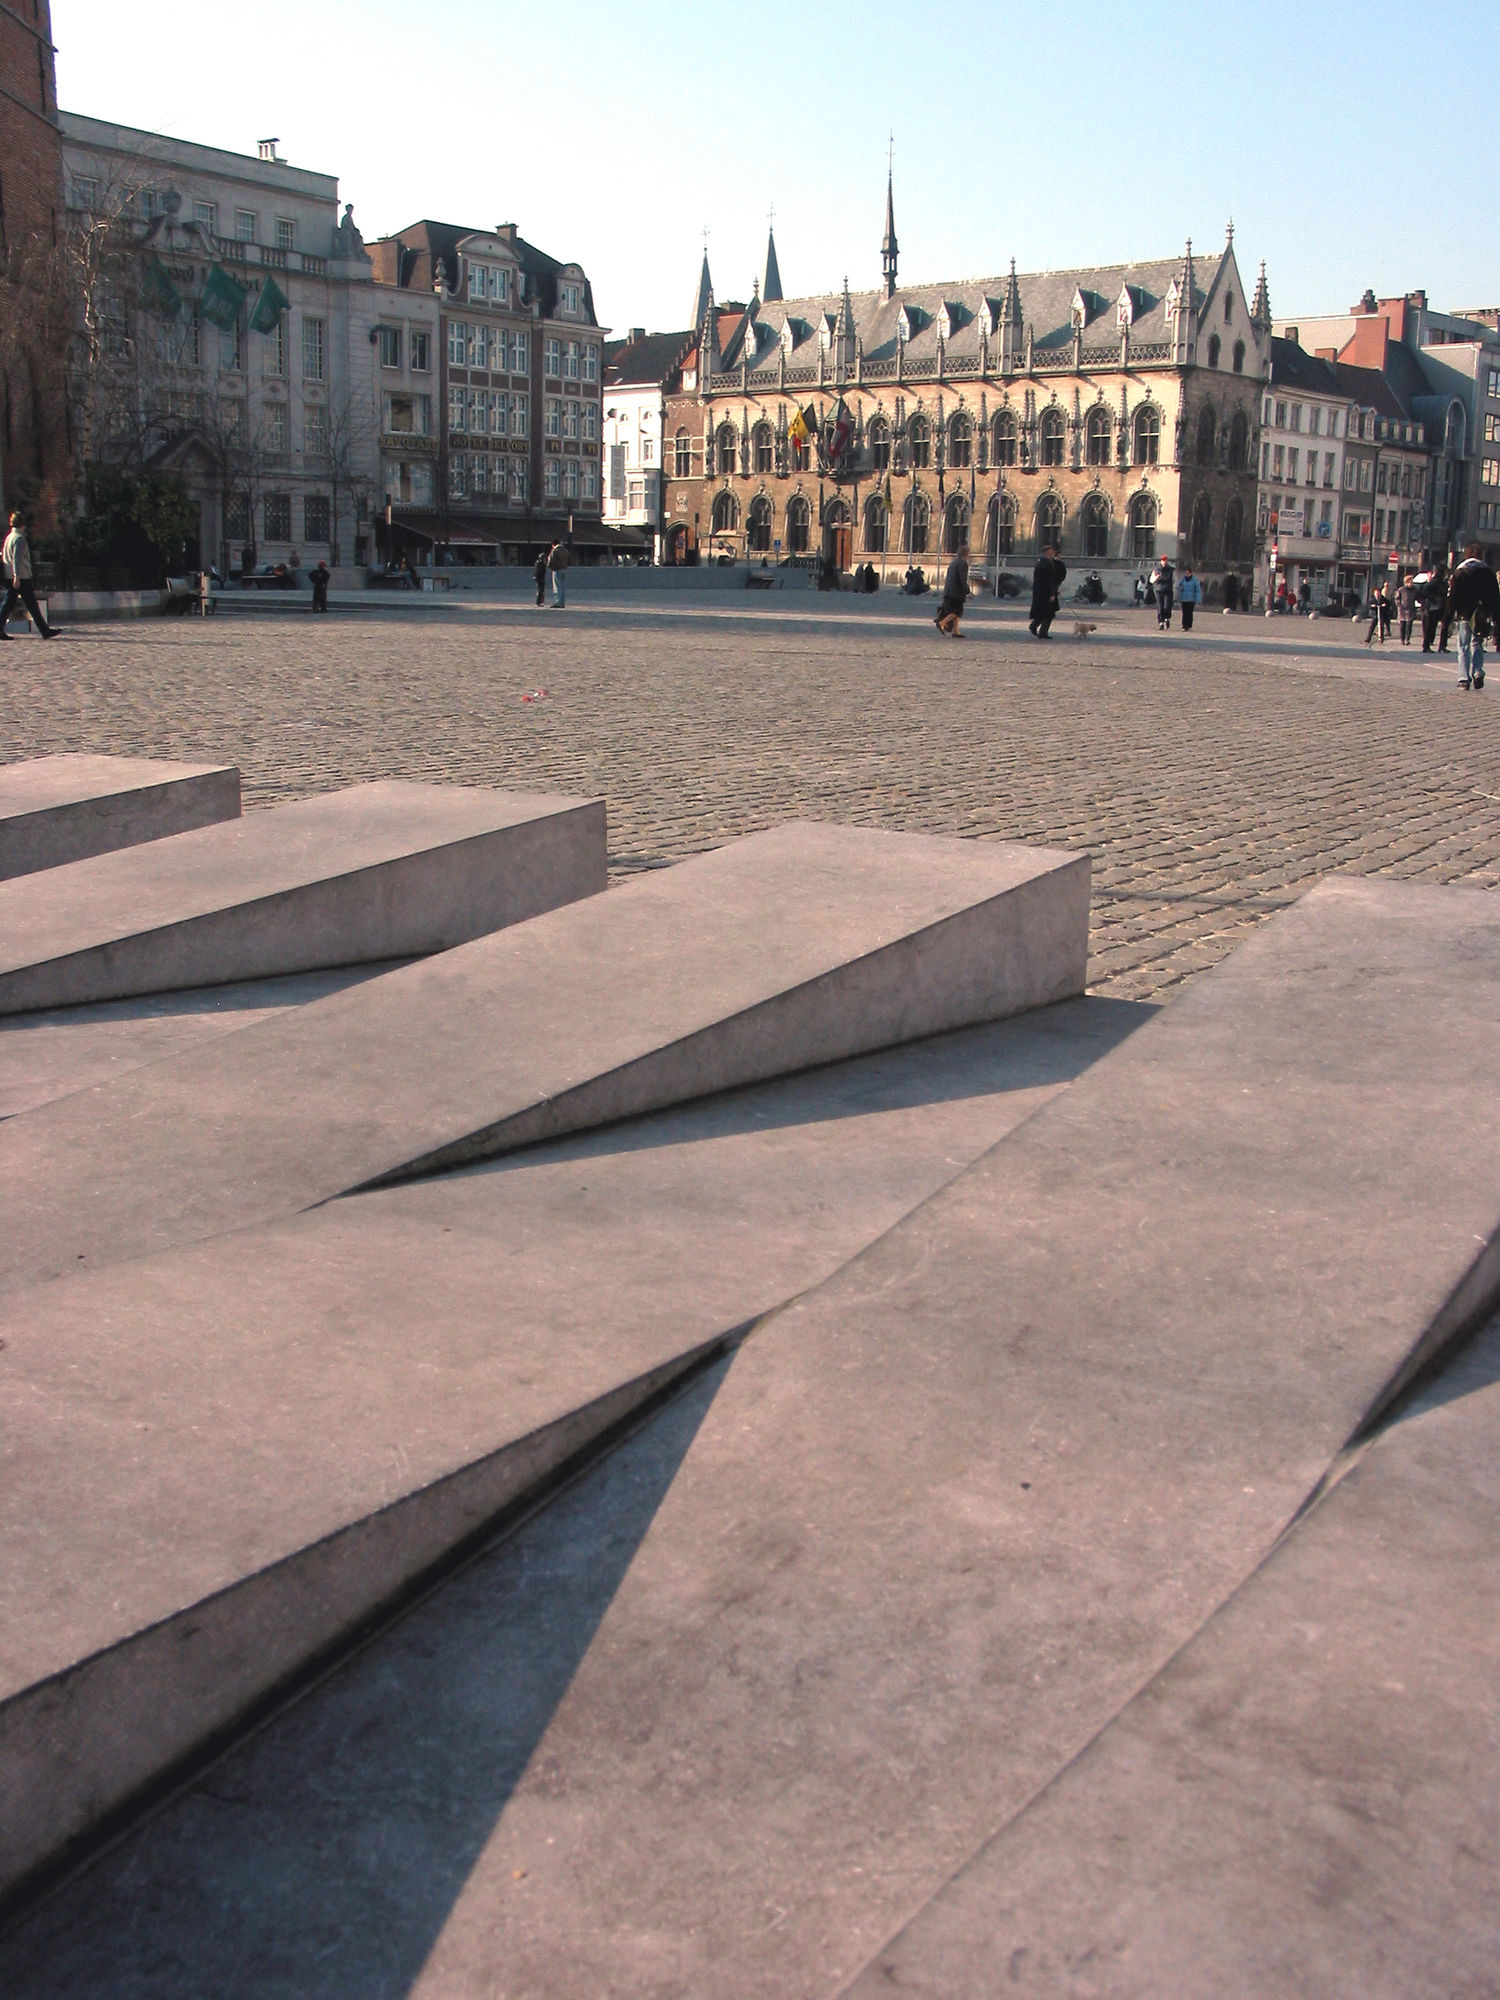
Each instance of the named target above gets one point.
<point>351,440</point>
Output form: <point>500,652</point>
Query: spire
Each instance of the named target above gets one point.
<point>1187,281</point>
<point>705,295</point>
<point>1010,305</point>
<point>888,244</point>
<point>1229,234</point>
<point>770,290</point>
<point>1260,305</point>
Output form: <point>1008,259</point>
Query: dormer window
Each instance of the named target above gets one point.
<point>950,319</point>
<point>1082,310</point>
<point>1125,307</point>
<point>989,318</point>
<point>825,332</point>
<point>570,298</point>
<point>788,338</point>
<point>1173,299</point>
<point>906,325</point>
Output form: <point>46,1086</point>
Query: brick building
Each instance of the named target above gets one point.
<point>1112,411</point>
<point>515,463</point>
<point>35,459</point>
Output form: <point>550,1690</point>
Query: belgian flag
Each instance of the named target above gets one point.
<point>804,425</point>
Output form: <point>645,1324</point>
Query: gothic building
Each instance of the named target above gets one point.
<point>1112,412</point>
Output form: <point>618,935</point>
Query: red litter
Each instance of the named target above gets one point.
<point>537,694</point>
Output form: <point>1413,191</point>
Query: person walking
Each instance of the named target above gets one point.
<point>1434,597</point>
<point>1406,604</point>
<point>20,588</point>
<point>1165,583</point>
<point>1046,592</point>
<point>558,561</point>
<point>955,596</point>
<point>1189,596</point>
<point>320,581</point>
<point>539,576</point>
<point>1374,610</point>
<point>1474,600</point>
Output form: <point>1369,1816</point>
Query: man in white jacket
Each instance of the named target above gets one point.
<point>15,561</point>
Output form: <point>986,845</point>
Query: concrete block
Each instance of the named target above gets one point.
<point>942,1519</point>
<point>799,946</point>
<point>381,871</point>
<point>1307,1798</point>
<point>221,1461</point>
<point>58,809</point>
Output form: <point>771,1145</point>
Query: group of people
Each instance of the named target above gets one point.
<point>1469,597</point>
<point>1163,588</point>
<point>554,562</point>
<point>20,581</point>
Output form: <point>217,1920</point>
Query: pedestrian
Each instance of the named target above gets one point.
<point>1406,604</point>
<point>1164,581</point>
<point>1474,600</point>
<point>15,571</point>
<point>1231,592</point>
<point>320,582</point>
<point>1374,611</point>
<point>558,561</point>
<point>1189,596</point>
<point>1384,595</point>
<point>1046,592</point>
<point>539,576</point>
<point>955,596</point>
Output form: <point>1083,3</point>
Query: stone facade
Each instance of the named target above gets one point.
<point>1114,411</point>
<point>35,447</point>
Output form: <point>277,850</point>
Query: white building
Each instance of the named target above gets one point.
<point>637,371</point>
<point>237,339</point>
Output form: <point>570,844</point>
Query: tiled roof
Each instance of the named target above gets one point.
<point>651,359</point>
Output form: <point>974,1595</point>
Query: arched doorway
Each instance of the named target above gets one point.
<point>677,545</point>
<point>798,524</point>
<point>838,534</point>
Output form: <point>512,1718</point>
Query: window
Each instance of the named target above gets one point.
<point>956,525</point>
<point>479,412</point>
<point>1207,438</point>
<point>520,416</point>
<point>244,225</point>
<point>798,525</point>
<point>1265,461</point>
<point>553,363</point>
<point>960,453</point>
<point>1382,477</point>
<point>875,524</point>
<point>390,346</point>
<point>1228,307</point>
<point>1291,465</point>
<point>551,479</point>
<point>232,346</point>
<point>1493,390</point>
<point>879,437</point>
<point>570,298</point>
<point>1095,516</point>
<point>86,194</point>
<point>1351,475</point>
<point>552,423</point>
<point>276,427</point>
<point>570,478</point>
<point>1278,462</point>
<point>1005,439</point>
<point>682,456</point>
<point>1052,434</point>
<point>591,482</point>
<point>1315,420</point>
<point>1049,522</point>
<point>519,478</point>
<point>724,454</point>
<point>517,350</point>
<point>1097,437</point>
<point>316,518</point>
<point>726,514</point>
<point>1366,475</point>
<point>1213,350</point>
<point>458,409</point>
<point>206,212</point>
<point>1312,468</point>
<point>278,516</point>
<point>1296,416</point>
<point>1489,472</point>
<point>315,432</point>
<point>1147,443</point>
<point>572,360</point>
<point>273,350</point>
<point>1000,534</point>
<point>919,443</point>
<point>591,363</point>
<point>1328,462</point>
<point>1142,528</point>
<point>458,476</point>
<point>312,350</point>
<point>1281,416</point>
<point>237,423</point>
<point>758,524</point>
<point>590,422</point>
<point>458,344</point>
<point>237,518</point>
<point>763,444</point>
<point>421,353</point>
<point>570,420</point>
<point>479,345</point>
<point>286,233</point>
<point>1234,528</point>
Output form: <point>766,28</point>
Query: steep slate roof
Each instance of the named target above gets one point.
<point>435,244</point>
<point>1046,307</point>
<point>1292,367</point>
<point>653,359</point>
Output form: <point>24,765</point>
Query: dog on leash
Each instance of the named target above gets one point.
<point>1083,628</point>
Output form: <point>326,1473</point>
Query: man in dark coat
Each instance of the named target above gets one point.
<point>1046,591</point>
<point>539,576</point>
<point>1474,600</point>
<point>1434,597</point>
<point>320,580</point>
<point>955,596</point>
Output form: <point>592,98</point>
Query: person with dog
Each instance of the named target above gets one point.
<point>1046,592</point>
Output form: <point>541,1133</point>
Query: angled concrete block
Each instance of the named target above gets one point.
<point>221,1461</point>
<point>381,871</point>
<point>792,948</point>
<point>58,809</point>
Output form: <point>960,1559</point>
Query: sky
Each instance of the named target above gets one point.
<point>1078,132</point>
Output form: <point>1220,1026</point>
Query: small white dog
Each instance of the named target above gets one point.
<point>1083,628</point>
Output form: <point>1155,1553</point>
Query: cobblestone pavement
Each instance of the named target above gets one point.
<point>1213,778</point>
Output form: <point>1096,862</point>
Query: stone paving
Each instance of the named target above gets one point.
<point>1213,777</point>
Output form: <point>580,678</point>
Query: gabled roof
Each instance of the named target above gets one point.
<point>653,359</point>
<point>427,247</point>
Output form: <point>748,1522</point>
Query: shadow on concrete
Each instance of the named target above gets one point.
<point>321,1860</point>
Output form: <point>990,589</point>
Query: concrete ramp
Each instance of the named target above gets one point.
<point>220,1462</point>
<point>800,946</point>
<point>382,871</point>
<point>58,809</point>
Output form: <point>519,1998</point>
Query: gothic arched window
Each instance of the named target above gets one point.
<point>1234,528</point>
<point>1213,350</point>
<point>878,435</point>
<point>726,447</point>
<point>918,515</point>
<point>764,448</point>
<point>1239,442</point>
<point>1202,524</point>
<point>1239,357</point>
<point>758,524</point>
<point>956,525</point>
<point>726,513</point>
<point>1098,437</point>
<point>1005,439</point>
<point>1143,527</point>
<point>1095,518</point>
<point>1000,529</point>
<point>960,441</point>
<point>1147,435</point>
<point>919,441</point>
<point>1207,437</point>
<point>798,525</point>
<point>1049,522</point>
<point>875,526</point>
<point>1052,434</point>
<point>683,455</point>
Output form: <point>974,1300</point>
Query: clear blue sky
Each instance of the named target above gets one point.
<point>1081,132</point>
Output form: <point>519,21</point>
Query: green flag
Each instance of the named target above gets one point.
<point>222,300</point>
<point>158,294</point>
<point>269,307</point>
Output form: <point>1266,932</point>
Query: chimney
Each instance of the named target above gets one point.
<point>267,150</point>
<point>636,333</point>
<point>507,232</point>
<point>1291,333</point>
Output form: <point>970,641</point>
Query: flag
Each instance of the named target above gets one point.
<point>268,307</point>
<point>839,436</point>
<point>803,426</point>
<point>158,294</point>
<point>222,298</point>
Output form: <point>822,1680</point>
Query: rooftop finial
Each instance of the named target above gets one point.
<point>1229,231</point>
<point>888,244</point>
